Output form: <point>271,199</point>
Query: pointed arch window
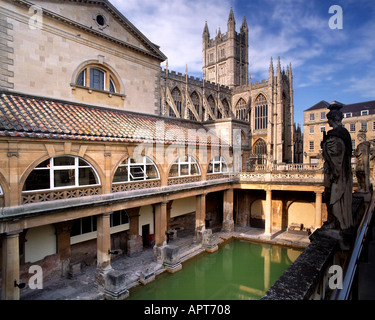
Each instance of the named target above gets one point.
<point>241,113</point>
<point>260,147</point>
<point>212,104</point>
<point>195,100</point>
<point>176,95</point>
<point>261,113</point>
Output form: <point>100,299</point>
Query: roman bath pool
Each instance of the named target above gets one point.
<point>239,270</point>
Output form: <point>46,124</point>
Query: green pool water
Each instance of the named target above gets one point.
<point>239,270</point>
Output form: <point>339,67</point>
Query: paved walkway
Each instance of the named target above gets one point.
<point>82,287</point>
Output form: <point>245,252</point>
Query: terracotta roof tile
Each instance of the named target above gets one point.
<point>35,117</point>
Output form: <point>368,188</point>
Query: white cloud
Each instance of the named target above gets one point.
<point>177,26</point>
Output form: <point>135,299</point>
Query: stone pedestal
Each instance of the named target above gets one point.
<point>228,225</point>
<point>115,286</point>
<point>147,276</point>
<point>172,258</point>
<point>159,254</point>
<point>208,241</point>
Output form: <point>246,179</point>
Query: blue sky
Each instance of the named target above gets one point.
<point>327,64</point>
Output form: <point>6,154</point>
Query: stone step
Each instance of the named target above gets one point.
<point>366,281</point>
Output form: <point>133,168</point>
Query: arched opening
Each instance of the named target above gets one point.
<point>261,113</point>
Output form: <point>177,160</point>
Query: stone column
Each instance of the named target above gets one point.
<point>63,230</point>
<point>160,229</point>
<point>200,212</point>
<point>103,246</point>
<point>318,208</point>
<point>268,222</point>
<point>10,266</point>
<point>228,223</point>
<point>160,223</point>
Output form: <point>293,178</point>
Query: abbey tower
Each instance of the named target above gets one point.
<point>225,57</point>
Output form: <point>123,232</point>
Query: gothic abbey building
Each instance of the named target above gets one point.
<point>226,92</point>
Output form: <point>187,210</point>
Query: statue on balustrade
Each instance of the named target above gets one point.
<point>362,171</point>
<point>338,179</point>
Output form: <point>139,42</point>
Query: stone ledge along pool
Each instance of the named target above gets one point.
<point>239,270</point>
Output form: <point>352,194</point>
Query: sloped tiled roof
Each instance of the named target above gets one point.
<point>36,117</point>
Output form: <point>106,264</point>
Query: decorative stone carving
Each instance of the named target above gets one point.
<point>362,154</point>
<point>338,179</point>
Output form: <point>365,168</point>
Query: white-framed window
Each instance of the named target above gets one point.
<point>312,130</point>
<point>322,128</point>
<point>217,165</point>
<point>312,116</point>
<point>352,127</point>
<point>185,166</point>
<point>130,170</point>
<point>364,126</point>
<point>61,172</point>
<point>373,126</point>
<point>353,144</point>
<point>311,145</point>
<point>364,113</point>
<point>323,115</point>
<point>348,115</point>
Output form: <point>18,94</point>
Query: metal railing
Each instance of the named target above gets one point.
<point>351,273</point>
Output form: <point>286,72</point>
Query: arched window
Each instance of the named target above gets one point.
<point>130,170</point>
<point>217,165</point>
<point>176,95</point>
<point>260,147</point>
<point>185,166</point>
<point>98,78</point>
<point>261,113</point>
<point>225,105</point>
<point>241,113</point>
<point>61,172</point>
<point>195,100</point>
<point>212,104</point>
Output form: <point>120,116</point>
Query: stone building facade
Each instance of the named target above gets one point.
<point>357,116</point>
<point>99,148</point>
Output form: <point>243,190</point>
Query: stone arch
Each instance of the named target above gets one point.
<point>98,171</point>
<point>100,64</point>
<point>301,212</point>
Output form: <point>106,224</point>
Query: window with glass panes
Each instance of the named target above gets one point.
<point>217,165</point>
<point>130,170</point>
<point>185,166</point>
<point>61,172</point>
<point>261,113</point>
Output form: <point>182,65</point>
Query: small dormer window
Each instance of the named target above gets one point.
<point>364,113</point>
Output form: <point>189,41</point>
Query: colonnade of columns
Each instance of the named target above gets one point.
<point>10,242</point>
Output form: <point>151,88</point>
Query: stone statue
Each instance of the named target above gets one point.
<point>362,171</point>
<point>338,179</point>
